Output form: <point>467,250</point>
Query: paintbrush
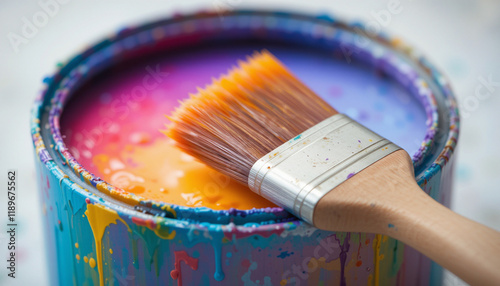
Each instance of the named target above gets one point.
<point>263,127</point>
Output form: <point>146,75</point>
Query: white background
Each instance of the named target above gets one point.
<point>460,37</point>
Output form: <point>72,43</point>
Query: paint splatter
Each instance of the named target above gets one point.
<point>182,256</point>
<point>284,254</point>
<point>92,262</point>
<point>99,218</point>
<point>246,278</point>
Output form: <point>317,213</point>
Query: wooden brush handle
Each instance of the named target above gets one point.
<point>384,198</point>
<point>465,247</point>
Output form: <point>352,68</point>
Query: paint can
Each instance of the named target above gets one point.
<point>97,233</point>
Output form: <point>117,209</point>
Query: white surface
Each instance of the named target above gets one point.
<point>461,37</point>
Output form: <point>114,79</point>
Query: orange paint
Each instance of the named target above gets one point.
<point>159,171</point>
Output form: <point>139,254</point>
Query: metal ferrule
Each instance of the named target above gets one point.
<point>297,174</point>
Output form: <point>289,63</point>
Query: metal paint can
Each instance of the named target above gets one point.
<point>98,234</point>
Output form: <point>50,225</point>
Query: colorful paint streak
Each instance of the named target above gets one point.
<point>144,246</point>
<point>99,218</point>
<point>182,256</point>
<point>378,257</point>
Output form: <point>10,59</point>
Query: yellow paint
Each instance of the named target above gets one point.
<point>169,209</point>
<point>99,218</point>
<point>77,257</point>
<point>110,251</point>
<point>102,187</point>
<point>76,244</point>
<point>377,257</point>
<point>124,197</point>
<point>85,259</point>
<point>283,282</point>
<point>160,171</point>
<point>333,265</point>
<point>321,263</point>
<point>87,177</point>
<point>163,233</point>
<point>370,280</point>
<point>396,42</point>
<point>92,262</point>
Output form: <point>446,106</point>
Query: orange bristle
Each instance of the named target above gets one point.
<point>246,114</point>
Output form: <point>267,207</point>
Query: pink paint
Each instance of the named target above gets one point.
<point>182,256</point>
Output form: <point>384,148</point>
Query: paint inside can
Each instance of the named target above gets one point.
<point>112,125</point>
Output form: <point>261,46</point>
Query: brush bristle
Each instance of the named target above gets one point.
<point>246,114</point>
